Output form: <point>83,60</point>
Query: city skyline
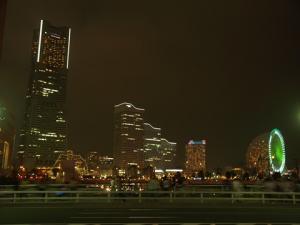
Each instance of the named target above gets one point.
<point>191,86</point>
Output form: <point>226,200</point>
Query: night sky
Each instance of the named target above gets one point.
<point>224,71</point>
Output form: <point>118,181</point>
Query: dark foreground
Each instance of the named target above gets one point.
<point>154,212</point>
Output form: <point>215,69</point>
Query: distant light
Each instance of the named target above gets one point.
<point>169,142</point>
<point>129,105</point>
<point>40,40</point>
<point>173,170</point>
<point>191,142</point>
<point>155,128</point>
<point>68,55</point>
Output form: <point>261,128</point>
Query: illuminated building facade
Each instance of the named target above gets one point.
<point>128,142</point>
<point>195,156</point>
<point>168,154</point>
<point>257,156</point>
<point>69,166</point>
<point>152,145</point>
<point>44,128</point>
<point>2,21</point>
<point>266,153</point>
<point>7,137</point>
<point>106,166</point>
<point>68,158</point>
<point>92,160</point>
<point>106,162</point>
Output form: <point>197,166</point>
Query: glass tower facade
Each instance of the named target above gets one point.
<point>152,143</point>
<point>128,140</point>
<point>44,129</point>
<point>168,154</point>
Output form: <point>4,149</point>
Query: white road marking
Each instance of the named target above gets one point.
<point>121,217</point>
<point>150,217</point>
<point>98,217</point>
<point>99,212</point>
<point>146,209</point>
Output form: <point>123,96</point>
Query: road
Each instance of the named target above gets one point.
<point>147,213</point>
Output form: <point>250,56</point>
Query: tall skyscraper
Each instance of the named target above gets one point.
<point>168,154</point>
<point>195,156</point>
<point>159,152</point>
<point>7,138</point>
<point>128,139</point>
<point>44,129</point>
<point>2,21</point>
<point>152,144</point>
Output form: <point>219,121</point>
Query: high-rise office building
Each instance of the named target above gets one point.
<point>168,154</point>
<point>128,142</point>
<point>195,156</point>
<point>44,129</point>
<point>92,160</point>
<point>7,137</point>
<point>2,21</point>
<point>106,162</point>
<point>106,166</point>
<point>152,144</point>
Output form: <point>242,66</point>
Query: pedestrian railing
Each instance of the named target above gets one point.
<point>168,196</point>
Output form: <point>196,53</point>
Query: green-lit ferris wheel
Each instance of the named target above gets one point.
<point>276,151</point>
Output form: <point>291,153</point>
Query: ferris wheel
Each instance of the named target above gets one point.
<point>276,151</point>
